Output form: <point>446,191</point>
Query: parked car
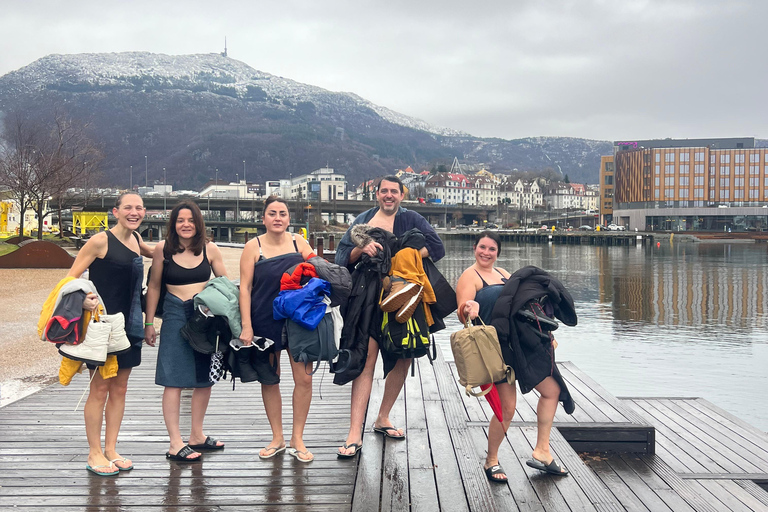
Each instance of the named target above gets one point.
<point>615,227</point>
<point>586,228</point>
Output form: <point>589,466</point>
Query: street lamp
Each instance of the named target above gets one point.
<point>165,193</point>
<point>237,198</point>
<point>146,173</point>
<point>131,178</point>
<point>245,179</point>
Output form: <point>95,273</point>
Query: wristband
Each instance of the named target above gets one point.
<point>148,324</point>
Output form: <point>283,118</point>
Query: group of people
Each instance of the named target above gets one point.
<point>185,261</point>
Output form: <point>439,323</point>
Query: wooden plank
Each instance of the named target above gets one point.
<point>703,434</point>
<point>367,492</point>
<point>717,496</point>
<point>613,406</point>
<point>450,487</point>
<point>743,495</point>
<point>639,487</point>
<point>614,482</point>
<point>656,483</point>
<point>517,493</point>
<point>755,490</point>
<point>676,483</point>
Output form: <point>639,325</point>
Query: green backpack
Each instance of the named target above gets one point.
<point>409,340</point>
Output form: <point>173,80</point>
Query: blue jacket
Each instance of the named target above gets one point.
<point>404,220</point>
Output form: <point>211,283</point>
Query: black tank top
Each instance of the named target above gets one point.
<point>177,275</point>
<point>112,276</point>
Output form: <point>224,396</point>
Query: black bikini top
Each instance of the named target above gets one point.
<point>177,275</point>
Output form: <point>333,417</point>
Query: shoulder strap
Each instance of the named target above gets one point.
<point>293,237</point>
<point>481,278</point>
<point>261,254</point>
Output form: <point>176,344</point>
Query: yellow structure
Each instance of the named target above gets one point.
<point>89,221</point>
<point>5,209</point>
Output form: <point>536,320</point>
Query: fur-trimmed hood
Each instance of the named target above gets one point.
<point>359,235</point>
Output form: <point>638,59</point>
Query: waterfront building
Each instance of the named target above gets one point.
<point>521,195</point>
<point>686,185</point>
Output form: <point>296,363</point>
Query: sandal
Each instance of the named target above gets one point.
<point>276,450</point>
<point>494,470</point>
<point>122,468</point>
<point>97,470</point>
<point>553,468</point>
<point>357,447</point>
<point>183,455</point>
<point>386,431</point>
<point>210,443</point>
<point>293,452</point>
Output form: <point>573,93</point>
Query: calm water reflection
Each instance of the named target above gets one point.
<point>677,320</point>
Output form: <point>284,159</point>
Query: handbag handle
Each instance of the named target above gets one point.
<point>468,389</point>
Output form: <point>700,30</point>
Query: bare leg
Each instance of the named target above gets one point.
<point>361,393</point>
<point>171,408</point>
<point>393,384</point>
<point>302,398</point>
<point>545,415</point>
<point>118,387</point>
<point>273,404</point>
<point>200,399</point>
<point>94,417</point>
<point>497,430</point>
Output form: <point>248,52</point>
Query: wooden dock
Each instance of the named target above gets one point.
<point>664,454</point>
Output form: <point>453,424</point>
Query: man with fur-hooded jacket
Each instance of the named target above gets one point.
<point>389,218</point>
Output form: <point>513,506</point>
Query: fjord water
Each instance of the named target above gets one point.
<point>682,319</point>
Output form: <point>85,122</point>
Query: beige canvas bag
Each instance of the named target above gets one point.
<point>477,354</point>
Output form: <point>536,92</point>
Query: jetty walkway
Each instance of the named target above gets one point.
<point>655,454</point>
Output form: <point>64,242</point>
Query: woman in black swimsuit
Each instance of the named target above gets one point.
<point>191,257</point>
<point>476,293</point>
<point>262,264</point>
<point>116,269</point>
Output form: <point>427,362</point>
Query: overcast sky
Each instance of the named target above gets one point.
<point>606,70</point>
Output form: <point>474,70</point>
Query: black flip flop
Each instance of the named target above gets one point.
<point>209,444</point>
<point>183,455</point>
<point>494,470</point>
<point>553,468</point>
<point>357,446</point>
<point>386,431</point>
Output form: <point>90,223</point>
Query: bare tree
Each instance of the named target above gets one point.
<point>18,159</point>
<point>45,159</point>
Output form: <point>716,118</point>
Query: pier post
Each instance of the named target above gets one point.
<point>319,246</point>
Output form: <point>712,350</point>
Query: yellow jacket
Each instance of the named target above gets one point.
<point>407,264</point>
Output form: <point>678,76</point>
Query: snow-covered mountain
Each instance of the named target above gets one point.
<point>195,113</point>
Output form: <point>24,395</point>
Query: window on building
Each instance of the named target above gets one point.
<point>711,159</point>
<point>738,182</point>
<point>658,157</point>
<point>711,182</point>
<point>683,193</point>
<point>754,182</point>
<point>657,181</point>
<point>669,193</point>
<point>725,194</point>
<point>698,156</point>
<point>669,169</point>
<point>609,180</point>
<point>669,181</point>
<point>754,158</point>
<point>698,204</point>
<point>656,193</point>
<point>685,157</point>
<point>658,168</point>
<point>712,170</point>
<point>684,168</point>
<point>766,182</point>
<point>725,171</point>
<point>754,194</point>
<point>725,182</point>
<point>698,192</point>
<point>698,180</point>
<point>725,159</point>
<point>754,169</point>
<point>684,181</point>
<point>738,194</point>
<point>738,170</point>
<point>739,159</point>
<point>698,168</point>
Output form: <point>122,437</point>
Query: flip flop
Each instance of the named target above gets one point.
<point>293,452</point>
<point>183,455</point>
<point>275,451</point>
<point>357,447</point>
<point>120,468</point>
<point>96,470</point>
<point>553,468</point>
<point>494,470</point>
<point>386,431</point>
<point>209,444</point>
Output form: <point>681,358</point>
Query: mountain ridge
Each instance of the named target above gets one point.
<point>195,113</point>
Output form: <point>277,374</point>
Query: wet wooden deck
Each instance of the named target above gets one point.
<point>705,459</point>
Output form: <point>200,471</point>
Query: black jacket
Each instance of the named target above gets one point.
<point>523,345</point>
<point>362,307</point>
